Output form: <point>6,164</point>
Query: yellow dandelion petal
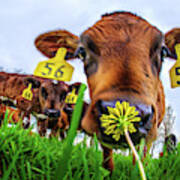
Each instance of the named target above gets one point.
<point>125,105</point>
<point>134,113</point>
<point>135,119</point>
<point>131,128</point>
<point>118,131</point>
<point>120,108</point>
<point>127,111</point>
<point>113,111</point>
<point>116,137</point>
<point>105,124</point>
<point>118,104</point>
<point>109,117</point>
<point>112,127</point>
<point>132,116</point>
<point>130,111</point>
<point>109,131</point>
<point>107,121</point>
<point>117,134</point>
<point>104,116</point>
<point>117,112</point>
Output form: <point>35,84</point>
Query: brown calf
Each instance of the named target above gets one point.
<point>67,116</point>
<point>48,97</point>
<point>122,55</point>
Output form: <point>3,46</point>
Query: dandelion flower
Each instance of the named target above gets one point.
<point>119,122</point>
<point>119,118</point>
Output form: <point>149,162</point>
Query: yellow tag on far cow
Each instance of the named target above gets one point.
<point>27,93</point>
<point>55,68</point>
<point>175,70</point>
<point>71,98</point>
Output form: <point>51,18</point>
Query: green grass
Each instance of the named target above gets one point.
<point>25,156</point>
<point>28,156</point>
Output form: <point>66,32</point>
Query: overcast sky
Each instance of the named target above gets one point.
<point>21,21</point>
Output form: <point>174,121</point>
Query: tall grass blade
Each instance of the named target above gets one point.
<point>62,166</point>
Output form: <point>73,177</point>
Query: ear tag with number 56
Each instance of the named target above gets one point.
<point>55,68</point>
<point>71,98</point>
<point>27,93</point>
<point>175,70</point>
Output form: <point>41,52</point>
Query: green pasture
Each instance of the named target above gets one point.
<point>24,155</point>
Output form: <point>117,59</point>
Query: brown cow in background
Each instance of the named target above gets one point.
<point>122,55</point>
<point>47,103</point>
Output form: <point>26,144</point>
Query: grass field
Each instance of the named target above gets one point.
<point>28,156</point>
<point>25,155</point>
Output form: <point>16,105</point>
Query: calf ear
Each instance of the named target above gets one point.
<point>35,82</point>
<point>75,86</point>
<point>48,43</point>
<point>171,39</point>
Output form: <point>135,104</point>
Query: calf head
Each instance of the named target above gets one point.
<point>122,55</point>
<point>51,96</point>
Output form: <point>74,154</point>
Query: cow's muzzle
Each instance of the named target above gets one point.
<point>146,114</point>
<point>52,113</point>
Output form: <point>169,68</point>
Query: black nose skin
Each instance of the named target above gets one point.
<point>52,113</point>
<point>145,112</point>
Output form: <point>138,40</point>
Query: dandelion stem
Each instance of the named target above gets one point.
<point>141,169</point>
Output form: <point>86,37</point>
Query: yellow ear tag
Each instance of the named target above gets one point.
<point>55,68</point>
<point>175,70</point>
<point>27,93</point>
<point>71,98</point>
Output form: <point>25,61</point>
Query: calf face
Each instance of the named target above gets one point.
<point>66,113</point>
<point>122,55</point>
<point>122,59</point>
<point>51,97</point>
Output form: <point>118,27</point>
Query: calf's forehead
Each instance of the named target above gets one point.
<point>119,29</point>
<point>53,87</point>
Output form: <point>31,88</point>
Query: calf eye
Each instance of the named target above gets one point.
<point>164,53</point>
<point>44,93</point>
<point>62,96</point>
<point>81,53</point>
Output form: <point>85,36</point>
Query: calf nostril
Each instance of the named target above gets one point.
<point>146,113</point>
<point>102,109</point>
<point>148,121</point>
<point>46,112</point>
<point>52,113</point>
<point>58,113</point>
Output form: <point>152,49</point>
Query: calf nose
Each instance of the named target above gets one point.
<point>52,113</point>
<point>146,113</point>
